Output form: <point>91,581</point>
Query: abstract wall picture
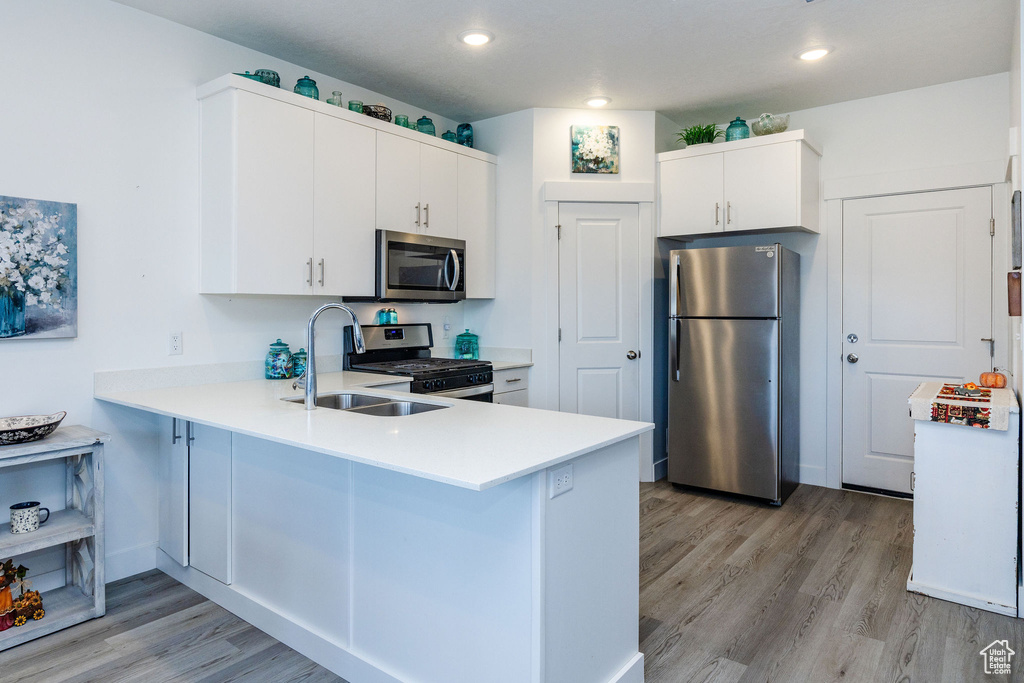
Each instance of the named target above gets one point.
<point>595,149</point>
<point>38,268</point>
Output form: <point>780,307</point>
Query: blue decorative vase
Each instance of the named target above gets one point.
<point>299,363</point>
<point>279,361</point>
<point>467,345</point>
<point>12,313</point>
<point>269,76</point>
<point>737,130</point>
<point>306,87</point>
<point>448,135</point>
<point>464,134</point>
<point>425,125</point>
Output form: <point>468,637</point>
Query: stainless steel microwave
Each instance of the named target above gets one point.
<point>413,267</point>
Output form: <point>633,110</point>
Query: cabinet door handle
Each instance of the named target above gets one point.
<point>189,436</point>
<point>728,212</point>
<point>513,380</point>
<point>309,279</point>
<point>322,272</point>
<point>426,215</point>
<point>417,214</point>
<point>175,436</point>
<point>717,209</point>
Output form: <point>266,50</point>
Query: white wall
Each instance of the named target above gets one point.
<point>101,111</point>
<point>901,132</point>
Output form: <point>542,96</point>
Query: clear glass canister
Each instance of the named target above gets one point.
<point>467,345</point>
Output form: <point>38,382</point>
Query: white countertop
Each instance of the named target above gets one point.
<point>497,365</point>
<point>470,444</point>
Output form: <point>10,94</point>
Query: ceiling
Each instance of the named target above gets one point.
<point>692,61</point>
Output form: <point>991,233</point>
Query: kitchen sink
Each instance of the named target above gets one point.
<point>368,405</point>
<point>396,408</point>
<point>342,401</point>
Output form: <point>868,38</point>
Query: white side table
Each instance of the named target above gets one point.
<point>78,527</point>
<point>965,506</point>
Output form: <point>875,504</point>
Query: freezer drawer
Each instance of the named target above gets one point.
<point>723,405</point>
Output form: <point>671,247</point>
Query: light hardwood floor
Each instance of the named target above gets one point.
<point>730,590</point>
<point>733,590</point>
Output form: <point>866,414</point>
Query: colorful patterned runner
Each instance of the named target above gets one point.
<point>938,402</point>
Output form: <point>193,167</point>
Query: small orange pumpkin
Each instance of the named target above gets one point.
<point>993,380</point>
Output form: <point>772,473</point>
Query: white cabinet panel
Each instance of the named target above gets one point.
<point>273,196</point>
<point>173,518</point>
<point>519,398</point>
<point>691,196</point>
<point>398,183</point>
<point>761,187</point>
<point>477,224</point>
<point>209,501</point>
<point>343,208</point>
<point>439,192</point>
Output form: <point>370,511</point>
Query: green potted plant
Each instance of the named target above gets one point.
<point>699,134</point>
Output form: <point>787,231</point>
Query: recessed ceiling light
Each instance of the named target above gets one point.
<point>813,53</point>
<point>598,101</point>
<point>476,37</point>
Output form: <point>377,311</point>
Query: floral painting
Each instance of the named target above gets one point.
<point>595,149</point>
<point>38,268</point>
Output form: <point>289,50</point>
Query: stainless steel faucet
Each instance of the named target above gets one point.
<point>310,375</point>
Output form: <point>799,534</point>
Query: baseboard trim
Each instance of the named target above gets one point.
<point>632,672</point>
<point>812,474</point>
<point>125,563</point>
<point>959,598</point>
<point>327,653</point>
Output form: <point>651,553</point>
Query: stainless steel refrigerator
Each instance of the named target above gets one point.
<point>734,357</point>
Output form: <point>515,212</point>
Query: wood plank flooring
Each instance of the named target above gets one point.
<point>734,590</point>
<point>730,590</point>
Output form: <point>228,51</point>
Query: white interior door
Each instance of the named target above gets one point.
<point>599,309</point>
<point>917,293</point>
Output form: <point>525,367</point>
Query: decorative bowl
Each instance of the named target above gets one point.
<point>25,428</point>
<point>766,124</point>
<point>378,111</point>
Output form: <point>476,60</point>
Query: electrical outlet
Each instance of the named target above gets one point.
<point>446,327</point>
<point>559,480</point>
<point>175,344</point>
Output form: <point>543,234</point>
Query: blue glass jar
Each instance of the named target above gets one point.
<point>299,363</point>
<point>425,125</point>
<point>306,87</point>
<point>279,361</point>
<point>467,345</point>
<point>737,130</point>
<point>464,134</point>
<point>448,135</point>
<point>269,76</point>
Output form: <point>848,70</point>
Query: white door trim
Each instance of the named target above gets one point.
<point>833,212</point>
<point>648,253</point>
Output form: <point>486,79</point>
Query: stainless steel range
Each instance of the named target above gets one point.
<point>405,350</point>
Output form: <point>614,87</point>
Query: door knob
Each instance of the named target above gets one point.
<point>632,355</point>
<point>852,358</point>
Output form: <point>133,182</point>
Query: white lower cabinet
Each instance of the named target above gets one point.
<point>195,497</point>
<point>511,387</point>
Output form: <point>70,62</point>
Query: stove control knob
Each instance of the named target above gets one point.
<point>440,384</point>
<point>471,379</point>
<point>428,385</point>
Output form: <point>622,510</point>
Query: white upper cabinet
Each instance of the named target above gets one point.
<point>477,189</point>
<point>760,184</point>
<point>292,190</point>
<point>417,187</point>
<point>343,215</point>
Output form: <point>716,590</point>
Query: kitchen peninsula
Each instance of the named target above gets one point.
<point>416,548</point>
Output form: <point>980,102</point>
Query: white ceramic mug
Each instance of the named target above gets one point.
<point>25,517</point>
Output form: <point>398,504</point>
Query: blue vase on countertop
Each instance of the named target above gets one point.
<point>279,361</point>
<point>425,125</point>
<point>299,363</point>
<point>464,134</point>
<point>306,87</point>
<point>467,345</point>
<point>737,130</point>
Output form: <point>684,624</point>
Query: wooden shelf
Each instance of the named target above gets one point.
<point>64,607</point>
<point>63,526</point>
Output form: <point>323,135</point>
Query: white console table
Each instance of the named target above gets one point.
<point>78,527</point>
<point>965,501</point>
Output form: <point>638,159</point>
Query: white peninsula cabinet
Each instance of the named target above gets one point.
<point>762,184</point>
<point>292,190</point>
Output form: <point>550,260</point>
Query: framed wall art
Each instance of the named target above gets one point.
<point>595,149</point>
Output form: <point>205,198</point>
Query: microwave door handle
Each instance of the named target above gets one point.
<point>458,269</point>
<point>444,270</point>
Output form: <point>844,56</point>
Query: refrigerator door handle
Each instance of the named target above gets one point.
<point>673,346</point>
<point>673,287</point>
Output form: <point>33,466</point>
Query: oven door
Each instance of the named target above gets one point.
<point>481,392</point>
<point>413,267</point>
